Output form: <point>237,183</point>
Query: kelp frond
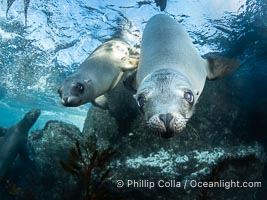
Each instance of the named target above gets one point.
<point>12,190</point>
<point>86,161</point>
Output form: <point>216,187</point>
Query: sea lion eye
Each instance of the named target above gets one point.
<point>80,87</point>
<point>189,97</point>
<point>32,115</point>
<point>141,100</point>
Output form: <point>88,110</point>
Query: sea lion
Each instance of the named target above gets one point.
<point>171,75</point>
<point>15,140</point>
<point>98,74</point>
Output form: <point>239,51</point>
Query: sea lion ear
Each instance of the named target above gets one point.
<point>130,81</point>
<point>218,67</point>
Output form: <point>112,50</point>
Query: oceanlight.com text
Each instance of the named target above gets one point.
<point>187,184</point>
<point>224,184</point>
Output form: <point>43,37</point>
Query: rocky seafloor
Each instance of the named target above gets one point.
<point>115,157</point>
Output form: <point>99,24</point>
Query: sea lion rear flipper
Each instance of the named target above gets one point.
<point>101,102</point>
<point>218,67</point>
<point>130,81</point>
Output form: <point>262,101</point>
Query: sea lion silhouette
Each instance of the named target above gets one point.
<point>14,141</point>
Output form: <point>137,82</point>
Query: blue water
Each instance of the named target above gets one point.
<point>60,34</point>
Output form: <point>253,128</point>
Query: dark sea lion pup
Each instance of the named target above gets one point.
<point>15,140</point>
<point>98,74</point>
<point>171,75</point>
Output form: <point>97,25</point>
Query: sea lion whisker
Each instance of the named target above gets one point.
<point>193,129</point>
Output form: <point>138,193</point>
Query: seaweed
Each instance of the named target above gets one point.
<point>89,165</point>
<point>12,190</point>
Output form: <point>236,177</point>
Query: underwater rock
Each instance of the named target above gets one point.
<point>214,147</point>
<point>47,147</point>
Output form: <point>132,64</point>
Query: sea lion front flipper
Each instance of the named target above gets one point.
<point>131,63</point>
<point>23,154</point>
<point>218,67</point>
<point>130,81</point>
<point>3,131</point>
<point>24,157</point>
<point>101,102</point>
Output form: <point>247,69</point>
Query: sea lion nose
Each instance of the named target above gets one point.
<point>64,100</point>
<point>166,119</point>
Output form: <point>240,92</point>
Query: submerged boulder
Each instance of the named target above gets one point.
<point>44,178</point>
<point>116,157</point>
<point>215,147</point>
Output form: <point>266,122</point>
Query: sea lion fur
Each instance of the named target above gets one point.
<point>99,73</point>
<point>14,142</point>
<point>171,75</point>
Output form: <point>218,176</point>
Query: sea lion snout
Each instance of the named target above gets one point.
<point>71,92</point>
<point>166,125</point>
<point>70,101</point>
<point>34,113</point>
<point>166,118</point>
<point>32,116</point>
<point>37,112</point>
